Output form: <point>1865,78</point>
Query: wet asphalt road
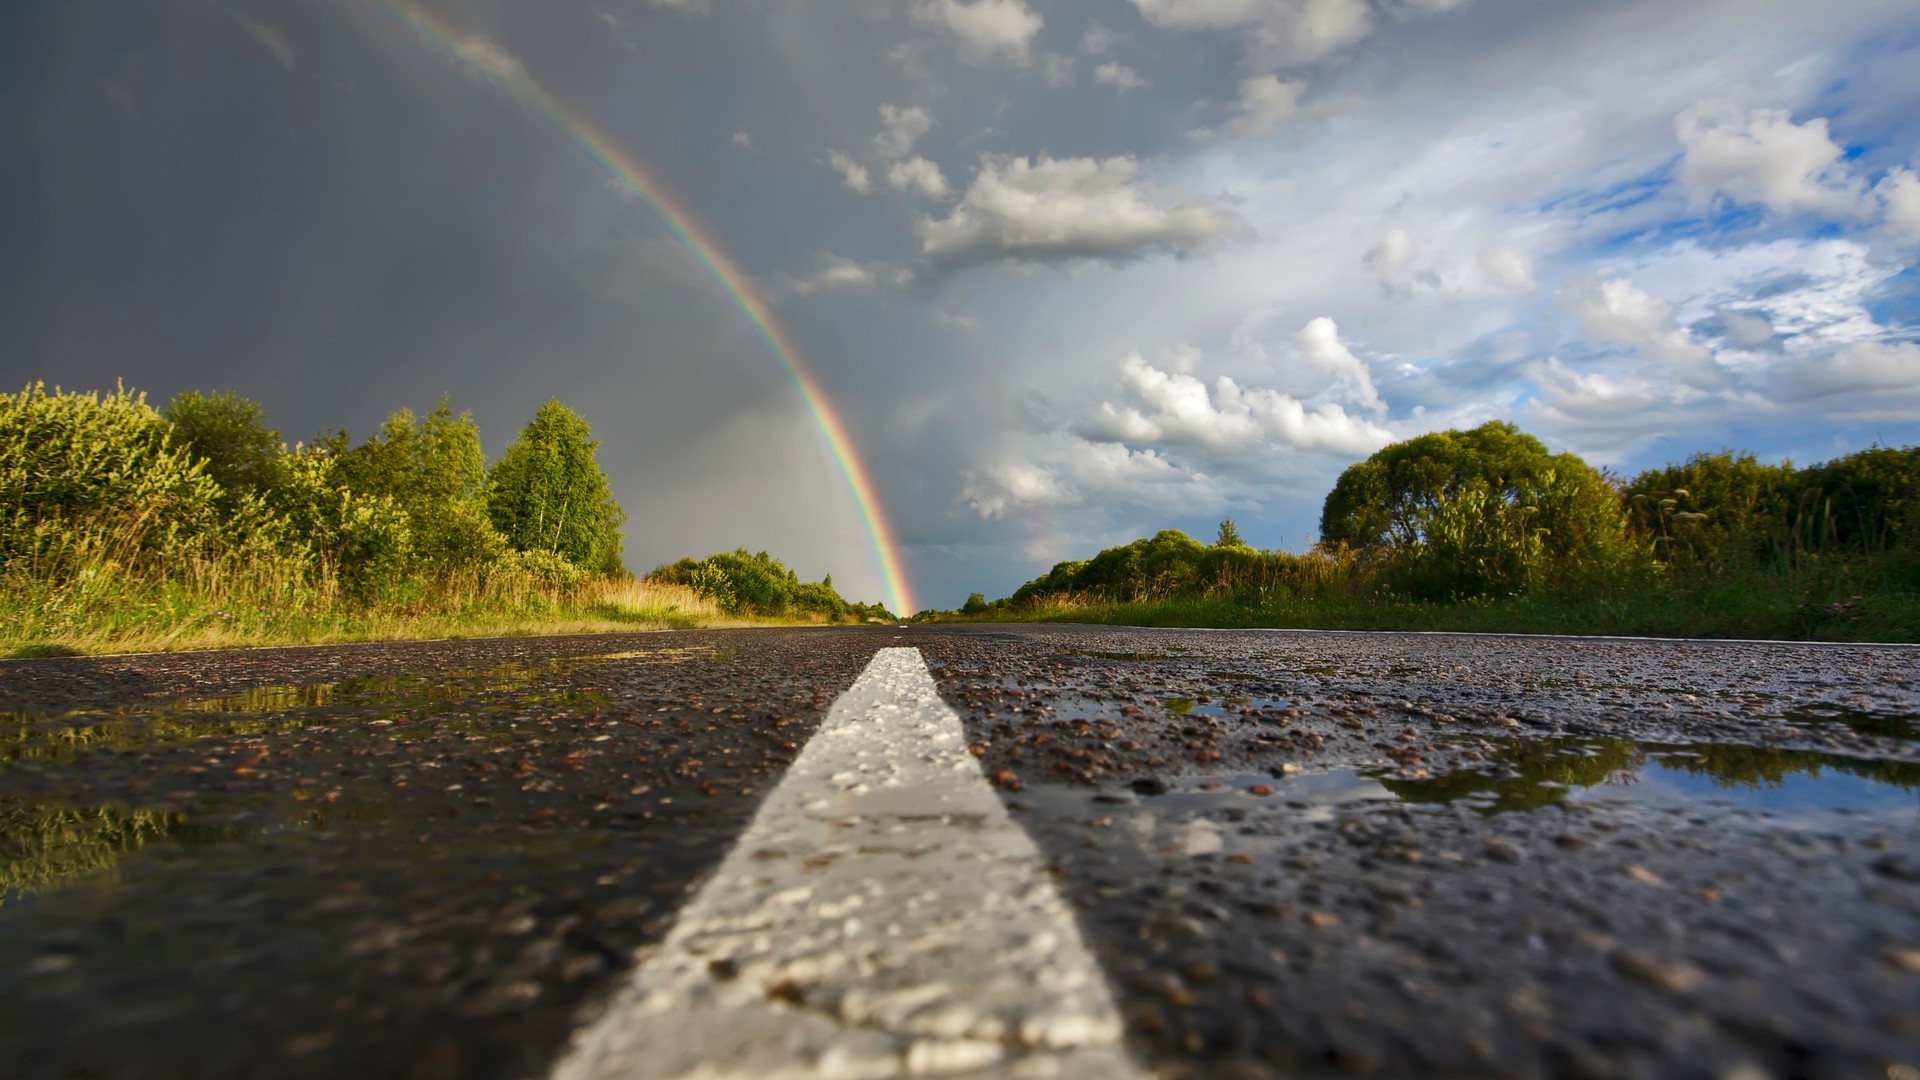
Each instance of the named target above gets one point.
<point>1294,854</point>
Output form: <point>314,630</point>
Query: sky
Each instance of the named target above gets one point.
<point>1066,273</point>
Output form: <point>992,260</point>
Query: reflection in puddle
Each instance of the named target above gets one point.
<point>1528,774</point>
<point>1861,720</point>
<point>1785,788</point>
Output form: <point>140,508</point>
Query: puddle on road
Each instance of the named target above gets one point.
<point>54,830</point>
<point>1792,789</point>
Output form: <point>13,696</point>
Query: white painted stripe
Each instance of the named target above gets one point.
<point>882,916</point>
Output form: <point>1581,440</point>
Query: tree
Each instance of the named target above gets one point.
<point>436,472</point>
<point>1229,536</point>
<point>976,603</point>
<point>230,435</point>
<point>1472,513</point>
<point>546,493</point>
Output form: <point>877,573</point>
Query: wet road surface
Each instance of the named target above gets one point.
<point>1292,854</point>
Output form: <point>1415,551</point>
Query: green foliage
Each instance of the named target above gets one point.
<point>755,583</point>
<point>975,604</point>
<point>434,471</point>
<point>1172,564</point>
<point>1485,530</point>
<point>73,463</point>
<point>1485,512</point>
<point>546,493</point>
<point>230,437</point>
<point>1229,536</point>
<point>1724,511</point>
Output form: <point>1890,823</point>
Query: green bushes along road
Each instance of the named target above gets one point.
<point>1487,530</point>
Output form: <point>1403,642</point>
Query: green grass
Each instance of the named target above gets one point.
<point>44,620</point>
<point>1842,601</point>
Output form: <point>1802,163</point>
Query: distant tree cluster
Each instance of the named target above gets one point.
<point>88,480</point>
<point>744,583</point>
<point>1459,516</point>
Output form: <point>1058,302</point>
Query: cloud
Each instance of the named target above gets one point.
<point>1746,330</point>
<point>1391,254</point>
<point>1264,101</point>
<point>485,59</point>
<point>742,140</point>
<point>838,275</point>
<point>1173,408</point>
<point>1057,69</point>
<point>694,9</point>
<point>1118,75</point>
<point>1277,32</point>
<point>1507,266</point>
<point>920,175</point>
<point>1604,411</point>
<point>1060,470</point>
<point>985,29</point>
<point>900,129</point>
<point>271,38</point>
<point>1864,367</point>
<point>1320,344</point>
<point>851,172</point>
<point>1899,192</point>
<point>1764,157</point>
<point>1097,39</point>
<point>1617,310</point>
<point>1025,211</point>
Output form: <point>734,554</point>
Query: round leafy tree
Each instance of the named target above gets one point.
<point>1480,512</point>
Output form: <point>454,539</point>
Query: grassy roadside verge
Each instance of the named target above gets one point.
<point>166,617</point>
<point>1742,606</point>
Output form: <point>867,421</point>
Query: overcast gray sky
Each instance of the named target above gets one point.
<point>1070,272</point>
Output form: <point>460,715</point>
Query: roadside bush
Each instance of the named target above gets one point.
<point>229,436</point>
<point>73,463</point>
<point>1485,512</point>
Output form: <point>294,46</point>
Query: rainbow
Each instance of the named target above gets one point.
<point>482,57</point>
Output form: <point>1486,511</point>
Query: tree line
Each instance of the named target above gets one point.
<point>87,479</point>
<point>1488,515</point>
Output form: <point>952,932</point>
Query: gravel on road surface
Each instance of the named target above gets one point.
<point>1400,855</point>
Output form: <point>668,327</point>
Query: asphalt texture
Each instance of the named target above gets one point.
<point>1292,853</point>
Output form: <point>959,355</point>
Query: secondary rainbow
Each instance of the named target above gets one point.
<point>503,71</point>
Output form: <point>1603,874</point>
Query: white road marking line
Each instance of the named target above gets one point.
<point>882,916</point>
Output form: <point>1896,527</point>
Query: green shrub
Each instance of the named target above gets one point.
<point>546,493</point>
<point>229,435</point>
<point>72,462</point>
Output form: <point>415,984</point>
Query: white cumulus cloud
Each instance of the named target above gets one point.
<point>1899,192</point>
<point>985,29</point>
<point>1173,408</point>
<point>1764,157</point>
<point>1118,75</point>
<point>900,129</point>
<point>1264,101</point>
<point>1018,210</point>
<point>917,174</point>
<point>1617,310</point>
<point>852,173</point>
<point>1277,31</point>
<point>1320,344</point>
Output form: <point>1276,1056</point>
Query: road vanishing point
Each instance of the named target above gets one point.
<point>966,851</point>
